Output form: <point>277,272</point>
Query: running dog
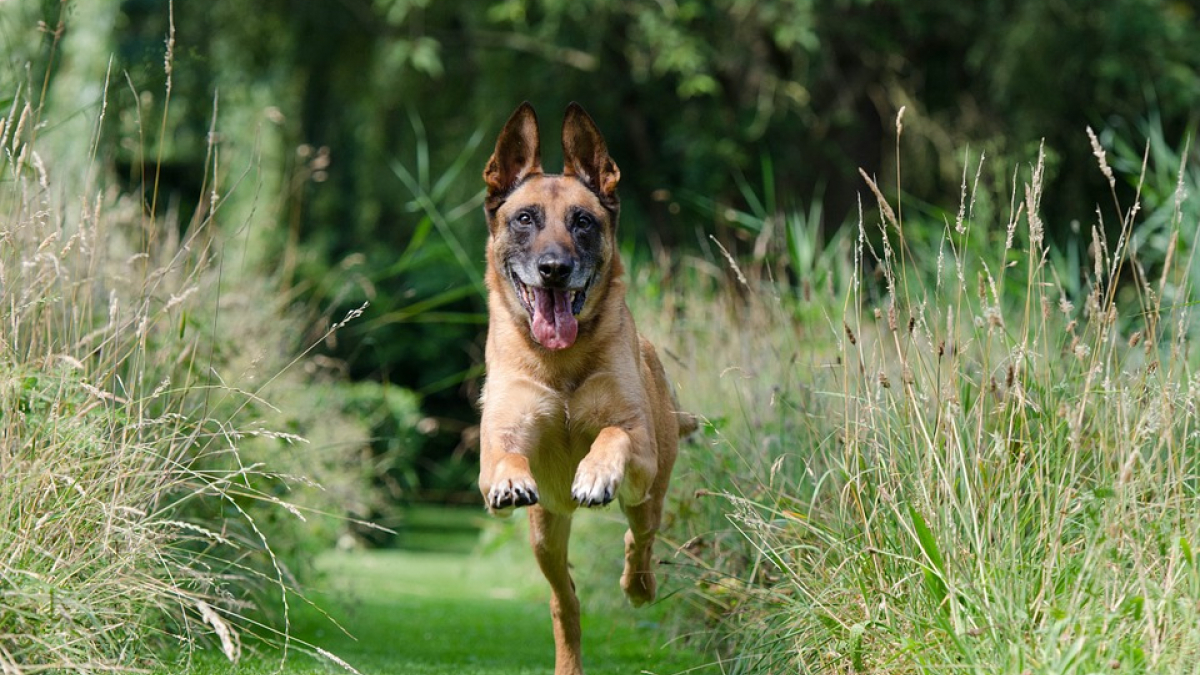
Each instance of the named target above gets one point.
<point>576,409</point>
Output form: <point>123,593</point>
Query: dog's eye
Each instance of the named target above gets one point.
<point>584,222</point>
<point>524,219</point>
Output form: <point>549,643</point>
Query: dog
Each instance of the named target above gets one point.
<point>576,407</point>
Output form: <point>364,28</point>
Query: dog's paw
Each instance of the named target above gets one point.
<point>639,585</point>
<point>509,493</point>
<point>595,483</point>
<point>638,578</point>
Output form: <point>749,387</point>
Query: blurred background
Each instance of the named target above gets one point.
<point>354,132</point>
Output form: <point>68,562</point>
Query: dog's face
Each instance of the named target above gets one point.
<point>552,237</point>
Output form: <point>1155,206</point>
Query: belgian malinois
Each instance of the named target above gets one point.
<point>577,410</point>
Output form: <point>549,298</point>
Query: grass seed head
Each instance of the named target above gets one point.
<point>1101,158</point>
<point>994,317</point>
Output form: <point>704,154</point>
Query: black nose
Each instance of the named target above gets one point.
<point>555,268</point>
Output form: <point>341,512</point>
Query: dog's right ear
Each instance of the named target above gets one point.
<point>518,155</point>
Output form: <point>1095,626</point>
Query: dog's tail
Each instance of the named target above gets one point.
<point>687,422</point>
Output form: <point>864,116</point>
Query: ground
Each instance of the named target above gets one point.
<point>437,606</point>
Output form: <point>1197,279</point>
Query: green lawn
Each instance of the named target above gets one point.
<point>438,608</point>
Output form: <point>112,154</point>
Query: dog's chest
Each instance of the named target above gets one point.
<point>566,428</point>
<point>563,434</point>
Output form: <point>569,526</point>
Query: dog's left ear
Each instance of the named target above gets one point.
<point>585,155</point>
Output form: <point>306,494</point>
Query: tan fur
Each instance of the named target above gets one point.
<point>598,415</point>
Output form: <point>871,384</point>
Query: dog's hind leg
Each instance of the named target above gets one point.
<point>638,578</point>
<point>644,520</point>
<point>549,533</point>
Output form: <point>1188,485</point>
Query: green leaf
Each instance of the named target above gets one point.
<point>426,56</point>
<point>935,575</point>
<point>926,539</point>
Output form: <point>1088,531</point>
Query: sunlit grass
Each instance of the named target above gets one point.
<point>953,464</point>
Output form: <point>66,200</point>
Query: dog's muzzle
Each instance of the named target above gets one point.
<point>552,311</point>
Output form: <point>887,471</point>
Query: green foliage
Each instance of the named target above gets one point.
<point>395,463</point>
<point>1172,174</point>
<point>325,106</point>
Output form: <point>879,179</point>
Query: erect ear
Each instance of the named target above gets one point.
<point>518,154</point>
<point>586,156</point>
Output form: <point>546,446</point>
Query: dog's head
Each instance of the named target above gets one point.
<point>552,238</point>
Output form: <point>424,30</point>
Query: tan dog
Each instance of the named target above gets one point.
<point>576,410</point>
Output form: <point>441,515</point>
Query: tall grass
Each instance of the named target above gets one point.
<point>143,479</point>
<point>962,466</point>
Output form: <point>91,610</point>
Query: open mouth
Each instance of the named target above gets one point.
<point>552,311</point>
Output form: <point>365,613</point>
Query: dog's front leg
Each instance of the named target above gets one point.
<point>508,433</point>
<point>621,459</point>
<point>505,480</point>
<point>504,476</point>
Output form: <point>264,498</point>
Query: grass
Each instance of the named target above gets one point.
<point>143,467</point>
<point>100,442</point>
<point>443,608</point>
<point>961,465</point>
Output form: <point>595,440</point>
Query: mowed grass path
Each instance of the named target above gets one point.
<point>437,608</point>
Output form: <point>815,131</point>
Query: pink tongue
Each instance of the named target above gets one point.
<point>554,326</point>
